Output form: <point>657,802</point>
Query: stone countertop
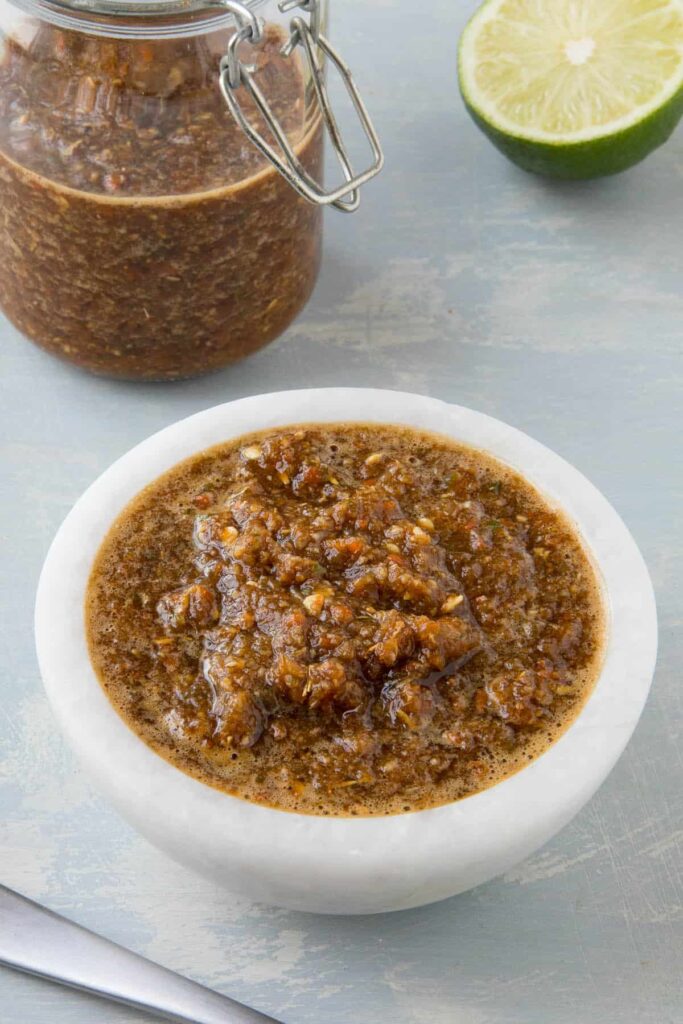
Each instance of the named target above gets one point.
<point>556,307</point>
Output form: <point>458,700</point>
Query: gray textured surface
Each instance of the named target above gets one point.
<point>556,308</point>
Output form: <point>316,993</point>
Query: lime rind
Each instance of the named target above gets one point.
<point>595,158</point>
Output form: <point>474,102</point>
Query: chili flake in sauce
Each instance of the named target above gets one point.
<point>345,619</point>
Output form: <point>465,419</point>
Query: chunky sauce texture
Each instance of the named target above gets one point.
<point>142,235</point>
<point>345,619</point>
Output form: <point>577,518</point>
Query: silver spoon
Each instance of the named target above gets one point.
<point>35,940</point>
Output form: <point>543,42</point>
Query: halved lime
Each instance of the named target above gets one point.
<point>574,88</point>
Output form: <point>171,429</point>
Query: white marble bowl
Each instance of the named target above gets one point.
<point>345,865</point>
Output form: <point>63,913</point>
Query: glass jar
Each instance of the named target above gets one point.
<point>159,160</point>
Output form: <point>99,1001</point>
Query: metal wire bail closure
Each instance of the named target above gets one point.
<point>234,73</point>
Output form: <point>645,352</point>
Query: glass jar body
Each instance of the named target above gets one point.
<point>142,236</point>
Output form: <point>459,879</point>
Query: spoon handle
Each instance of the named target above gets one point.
<point>37,941</point>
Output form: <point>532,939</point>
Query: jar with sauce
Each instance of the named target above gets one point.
<point>160,168</point>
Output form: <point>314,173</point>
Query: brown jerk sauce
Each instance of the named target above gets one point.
<point>143,236</point>
<point>345,619</point>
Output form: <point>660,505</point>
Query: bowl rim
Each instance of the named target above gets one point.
<point>162,800</point>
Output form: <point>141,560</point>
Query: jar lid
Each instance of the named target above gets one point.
<point>147,8</point>
<point>137,18</point>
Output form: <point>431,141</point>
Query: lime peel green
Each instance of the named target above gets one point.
<point>574,88</point>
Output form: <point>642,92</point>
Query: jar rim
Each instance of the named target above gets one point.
<point>134,18</point>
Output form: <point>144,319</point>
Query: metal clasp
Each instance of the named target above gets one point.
<point>234,73</point>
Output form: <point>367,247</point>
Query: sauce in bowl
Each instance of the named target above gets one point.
<point>345,619</point>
